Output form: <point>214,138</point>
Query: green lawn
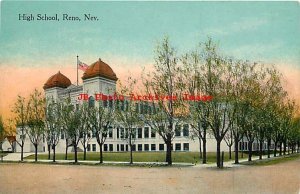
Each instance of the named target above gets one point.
<point>2,154</point>
<point>276,160</point>
<point>187,157</point>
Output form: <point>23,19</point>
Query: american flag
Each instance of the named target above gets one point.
<point>82,66</point>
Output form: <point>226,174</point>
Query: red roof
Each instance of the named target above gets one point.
<point>100,68</point>
<point>57,80</point>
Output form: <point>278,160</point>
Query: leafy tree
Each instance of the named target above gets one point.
<point>2,132</point>
<point>20,110</point>
<point>86,128</point>
<point>128,116</point>
<point>166,80</point>
<point>198,109</point>
<point>71,123</point>
<point>53,126</point>
<point>100,119</point>
<point>36,116</point>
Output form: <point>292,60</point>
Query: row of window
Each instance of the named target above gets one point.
<point>255,146</point>
<point>142,108</point>
<point>140,132</point>
<point>139,147</point>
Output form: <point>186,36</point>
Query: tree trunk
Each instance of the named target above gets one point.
<point>275,148</point>
<point>66,155</point>
<point>84,153</point>
<point>236,150</point>
<point>75,153</point>
<point>22,152</point>
<point>284,147</point>
<point>200,151</point>
<point>280,148</point>
<point>229,147</point>
<point>101,153</point>
<point>243,147</point>
<point>218,153</point>
<point>54,153</point>
<point>131,158</point>
<point>49,151</point>
<point>261,143</point>
<point>35,154</point>
<point>169,151</point>
<point>269,144</point>
<point>250,151</point>
<point>204,149</point>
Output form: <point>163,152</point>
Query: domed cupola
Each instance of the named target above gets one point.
<point>101,69</point>
<point>57,80</point>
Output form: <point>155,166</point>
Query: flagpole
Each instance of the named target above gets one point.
<point>77,70</point>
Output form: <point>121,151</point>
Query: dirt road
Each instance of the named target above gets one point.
<point>41,178</point>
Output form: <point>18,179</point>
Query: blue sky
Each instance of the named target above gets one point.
<point>260,31</point>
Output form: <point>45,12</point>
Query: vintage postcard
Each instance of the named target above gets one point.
<point>149,97</point>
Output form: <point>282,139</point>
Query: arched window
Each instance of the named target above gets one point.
<point>91,101</point>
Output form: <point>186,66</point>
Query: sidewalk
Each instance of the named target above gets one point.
<point>228,164</point>
<point>15,156</point>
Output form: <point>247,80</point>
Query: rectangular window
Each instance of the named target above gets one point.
<point>88,147</point>
<point>110,132</point>
<point>94,147</point>
<point>111,147</point>
<point>126,147</point>
<point>140,132</point>
<point>133,135</point>
<point>140,147</point>
<point>186,146</point>
<point>105,103</point>
<point>105,148</point>
<point>126,133</point>
<point>122,105</point>
<point>153,134</point>
<point>122,133</point>
<point>186,130</point>
<point>133,147</point>
<point>118,147</point>
<point>122,147</point>
<point>146,147</point>
<point>136,107</point>
<point>110,103</point>
<point>145,109</point>
<point>118,133</point>
<point>153,147</point>
<point>177,146</point>
<point>146,132</point>
<point>161,147</point>
<point>177,130</point>
<point>126,105</point>
<point>94,133</point>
